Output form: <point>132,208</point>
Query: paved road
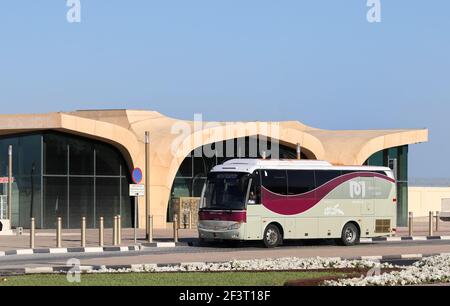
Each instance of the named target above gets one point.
<point>225,253</point>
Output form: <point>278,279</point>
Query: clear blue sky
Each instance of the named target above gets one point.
<point>317,61</point>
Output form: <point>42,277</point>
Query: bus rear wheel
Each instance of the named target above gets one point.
<point>350,235</point>
<point>272,236</point>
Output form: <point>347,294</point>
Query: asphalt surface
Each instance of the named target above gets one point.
<point>221,252</point>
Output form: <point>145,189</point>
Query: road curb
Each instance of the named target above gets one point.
<point>165,244</point>
<point>405,239</point>
<point>132,248</point>
<point>140,267</point>
<point>394,257</point>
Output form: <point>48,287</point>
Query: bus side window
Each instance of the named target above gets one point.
<point>254,196</point>
<point>325,176</point>
<point>275,181</point>
<point>300,181</point>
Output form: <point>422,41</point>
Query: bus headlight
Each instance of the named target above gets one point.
<point>234,226</point>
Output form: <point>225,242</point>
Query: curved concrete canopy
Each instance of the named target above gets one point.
<point>172,140</point>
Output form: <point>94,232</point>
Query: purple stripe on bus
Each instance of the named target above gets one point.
<point>296,204</point>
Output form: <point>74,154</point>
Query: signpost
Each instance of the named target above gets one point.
<point>136,190</point>
<point>137,176</point>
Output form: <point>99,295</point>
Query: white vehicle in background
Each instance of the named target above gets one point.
<point>276,200</point>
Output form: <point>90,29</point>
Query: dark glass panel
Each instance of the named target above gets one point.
<point>197,186</point>
<point>287,153</point>
<point>28,190</point>
<point>55,201</point>
<point>181,188</point>
<point>81,198</point>
<point>4,145</point>
<point>325,176</point>
<point>127,205</point>
<point>26,171</point>
<point>376,159</point>
<point>107,199</point>
<point>402,204</point>
<point>185,169</point>
<point>81,157</point>
<point>275,181</point>
<point>200,167</point>
<point>402,163</point>
<point>300,181</point>
<point>55,154</point>
<point>107,160</point>
<point>27,155</point>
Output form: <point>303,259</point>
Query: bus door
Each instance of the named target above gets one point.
<point>254,208</point>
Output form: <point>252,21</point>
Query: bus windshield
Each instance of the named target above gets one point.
<point>226,191</point>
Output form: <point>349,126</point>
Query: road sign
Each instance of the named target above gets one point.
<point>5,180</point>
<point>137,190</point>
<point>136,175</point>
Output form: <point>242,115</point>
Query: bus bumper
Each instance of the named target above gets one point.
<point>220,235</point>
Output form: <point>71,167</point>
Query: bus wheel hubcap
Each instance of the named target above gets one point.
<point>349,235</point>
<point>271,236</point>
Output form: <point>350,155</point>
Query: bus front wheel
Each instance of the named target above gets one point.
<point>272,236</point>
<point>350,235</point>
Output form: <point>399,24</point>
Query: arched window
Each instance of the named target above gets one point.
<point>63,175</point>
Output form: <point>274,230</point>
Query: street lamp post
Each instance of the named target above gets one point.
<point>147,186</point>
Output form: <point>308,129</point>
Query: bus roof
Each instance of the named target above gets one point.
<point>250,165</point>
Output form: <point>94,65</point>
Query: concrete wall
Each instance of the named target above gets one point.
<point>422,200</point>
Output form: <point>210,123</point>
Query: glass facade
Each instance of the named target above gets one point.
<point>62,175</point>
<point>397,159</point>
<point>192,173</point>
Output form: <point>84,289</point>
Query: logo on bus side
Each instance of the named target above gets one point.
<point>357,189</point>
<point>333,211</point>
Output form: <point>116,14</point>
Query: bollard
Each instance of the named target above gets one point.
<point>438,215</point>
<point>58,233</point>
<point>411,223</point>
<point>430,224</point>
<point>83,232</point>
<point>101,233</point>
<point>175,228</point>
<point>119,230</point>
<point>10,182</point>
<point>190,219</point>
<point>32,232</point>
<point>150,229</point>
<point>114,234</point>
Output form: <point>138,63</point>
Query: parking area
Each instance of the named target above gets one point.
<point>72,238</point>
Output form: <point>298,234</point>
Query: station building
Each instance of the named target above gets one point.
<point>75,164</point>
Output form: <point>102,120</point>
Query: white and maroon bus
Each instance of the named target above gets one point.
<point>274,200</point>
